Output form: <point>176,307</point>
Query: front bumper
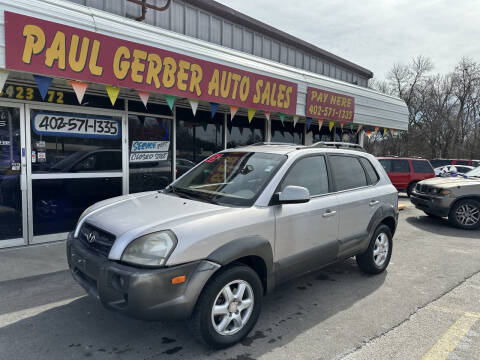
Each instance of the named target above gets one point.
<point>138,292</point>
<point>439,206</point>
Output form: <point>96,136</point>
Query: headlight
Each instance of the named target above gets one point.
<point>151,249</point>
<point>435,191</point>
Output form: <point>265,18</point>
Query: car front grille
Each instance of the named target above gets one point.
<point>96,239</point>
<point>423,189</point>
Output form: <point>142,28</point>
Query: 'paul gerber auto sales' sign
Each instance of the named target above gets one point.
<point>327,105</point>
<point>48,48</point>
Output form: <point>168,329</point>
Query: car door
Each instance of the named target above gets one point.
<point>306,234</point>
<point>400,173</point>
<point>357,199</point>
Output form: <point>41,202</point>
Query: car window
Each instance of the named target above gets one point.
<point>421,166</point>
<point>400,166</point>
<point>461,162</point>
<point>371,172</point>
<point>386,164</point>
<point>462,169</point>
<point>347,172</point>
<point>309,172</point>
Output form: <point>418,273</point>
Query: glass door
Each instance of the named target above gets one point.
<point>13,218</point>
<point>75,160</point>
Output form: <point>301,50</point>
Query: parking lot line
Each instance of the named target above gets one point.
<point>449,341</point>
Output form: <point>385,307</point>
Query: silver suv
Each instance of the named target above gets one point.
<point>210,245</point>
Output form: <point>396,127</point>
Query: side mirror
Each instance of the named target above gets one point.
<point>294,195</point>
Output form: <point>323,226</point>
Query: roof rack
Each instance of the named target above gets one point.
<point>274,143</point>
<point>337,145</point>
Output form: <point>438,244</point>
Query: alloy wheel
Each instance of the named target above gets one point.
<point>380,250</point>
<point>232,307</point>
<point>468,215</point>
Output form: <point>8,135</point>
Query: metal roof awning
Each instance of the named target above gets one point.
<point>371,108</point>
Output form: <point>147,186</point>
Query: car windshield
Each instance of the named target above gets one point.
<point>231,178</point>
<point>475,172</point>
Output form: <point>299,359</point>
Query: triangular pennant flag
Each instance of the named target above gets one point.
<point>79,87</point>
<point>320,123</point>
<point>351,126</point>
<point>368,133</point>
<point>267,115</point>
<point>213,108</point>
<point>204,125</point>
<point>112,92</point>
<point>295,120</point>
<point>144,95</point>
<point>43,83</point>
<point>241,130</point>
<point>282,118</point>
<point>309,122</point>
<point>385,131</point>
<point>251,112</point>
<point>376,129</point>
<point>233,111</point>
<point>3,78</point>
<point>193,105</point>
<point>170,99</point>
<point>341,125</point>
<point>330,125</point>
<point>359,128</point>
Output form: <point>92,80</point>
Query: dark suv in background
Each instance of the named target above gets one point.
<point>404,173</point>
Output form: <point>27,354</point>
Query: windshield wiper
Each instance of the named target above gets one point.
<point>191,195</point>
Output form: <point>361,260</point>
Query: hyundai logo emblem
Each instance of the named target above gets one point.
<point>91,238</point>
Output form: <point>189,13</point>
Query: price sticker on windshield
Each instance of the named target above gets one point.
<point>77,125</point>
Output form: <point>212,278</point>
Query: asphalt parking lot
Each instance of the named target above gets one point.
<point>425,306</point>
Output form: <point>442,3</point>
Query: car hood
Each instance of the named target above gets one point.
<point>451,181</point>
<point>143,213</point>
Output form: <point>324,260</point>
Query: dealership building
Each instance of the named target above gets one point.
<point>103,98</point>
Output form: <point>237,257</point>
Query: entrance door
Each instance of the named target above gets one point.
<point>12,176</point>
<point>75,160</point>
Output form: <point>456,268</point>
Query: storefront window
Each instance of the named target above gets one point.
<point>150,152</point>
<point>337,134</point>
<point>10,170</point>
<point>197,137</point>
<point>241,132</point>
<point>71,143</point>
<point>287,133</point>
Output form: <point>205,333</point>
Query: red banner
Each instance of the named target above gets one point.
<point>47,48</point>
<point>326,105</point>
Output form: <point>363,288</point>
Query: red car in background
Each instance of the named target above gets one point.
<point>442,162</point>
<point>404,173</point>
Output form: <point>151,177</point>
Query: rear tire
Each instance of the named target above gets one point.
<point>221,317</point>
<point>465,214</point>
<point>377,257</point>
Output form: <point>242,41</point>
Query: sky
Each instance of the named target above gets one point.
<point>376,34</point>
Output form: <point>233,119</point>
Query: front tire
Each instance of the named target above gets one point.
<point>410,188</point>
<point>377,257</point>
<point>228,307</point>
<point>465,214</point>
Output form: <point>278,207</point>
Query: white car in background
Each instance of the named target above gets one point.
<point>460,169</point>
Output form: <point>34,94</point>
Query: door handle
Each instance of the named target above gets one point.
<point>374,202</point>
<point>329,213</point>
